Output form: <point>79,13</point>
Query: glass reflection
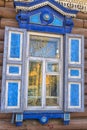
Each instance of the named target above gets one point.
<point>44,47</point>
<point>35,83</point>
<point>52,90</point>
<point>52,67</point>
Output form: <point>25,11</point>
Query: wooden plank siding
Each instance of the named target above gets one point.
<point>2,3</point>
<point>78,120</point>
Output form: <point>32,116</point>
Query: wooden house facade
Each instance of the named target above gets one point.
<point>74,24</point>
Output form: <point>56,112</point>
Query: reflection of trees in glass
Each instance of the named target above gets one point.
<point>52,84</point>
<point>43,47</point>
<point>52,67</point>
<point>34,102</point>
<point>35,81</point>
<point>32,80</point>
<point>31,92</point>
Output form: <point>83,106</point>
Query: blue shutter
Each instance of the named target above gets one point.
<point>74,73</point>
<point>13,75</point>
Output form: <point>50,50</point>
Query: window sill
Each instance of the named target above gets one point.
<point>43,117</point>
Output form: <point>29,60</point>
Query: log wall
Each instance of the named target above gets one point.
<point>78,120</point>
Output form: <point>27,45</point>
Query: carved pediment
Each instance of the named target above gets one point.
<point>31,5</point>
<point>79,5</point>
<point>44,16</point>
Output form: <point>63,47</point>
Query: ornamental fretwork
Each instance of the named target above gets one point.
<point>80,5</point>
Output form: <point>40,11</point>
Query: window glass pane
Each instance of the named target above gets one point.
<point>44,72</point>
<point>35,83</point>
<point>44,47</point>
<point>52,67</point>
<point>52,90</point>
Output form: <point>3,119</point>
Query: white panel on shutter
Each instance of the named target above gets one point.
<point>13,75</point>
<point>74,73</point>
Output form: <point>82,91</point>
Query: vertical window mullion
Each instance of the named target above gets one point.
<point>44,86</point>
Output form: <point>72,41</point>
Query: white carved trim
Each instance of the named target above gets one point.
<point>44,4</point>
<point>80,5</point>
<point>23,0</point>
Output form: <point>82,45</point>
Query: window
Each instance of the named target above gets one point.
<point>43,64</point>
<point>41,71</point>
<point>45,71</point>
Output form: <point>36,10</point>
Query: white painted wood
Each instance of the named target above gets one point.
<point>44,62</point>
<point>69,65</point>
<point>7,61</point>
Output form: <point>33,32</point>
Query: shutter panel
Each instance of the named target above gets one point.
<point>74,73</point>
<point>13,75</point>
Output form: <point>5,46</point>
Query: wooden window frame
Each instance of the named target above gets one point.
<point>45,60</point>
